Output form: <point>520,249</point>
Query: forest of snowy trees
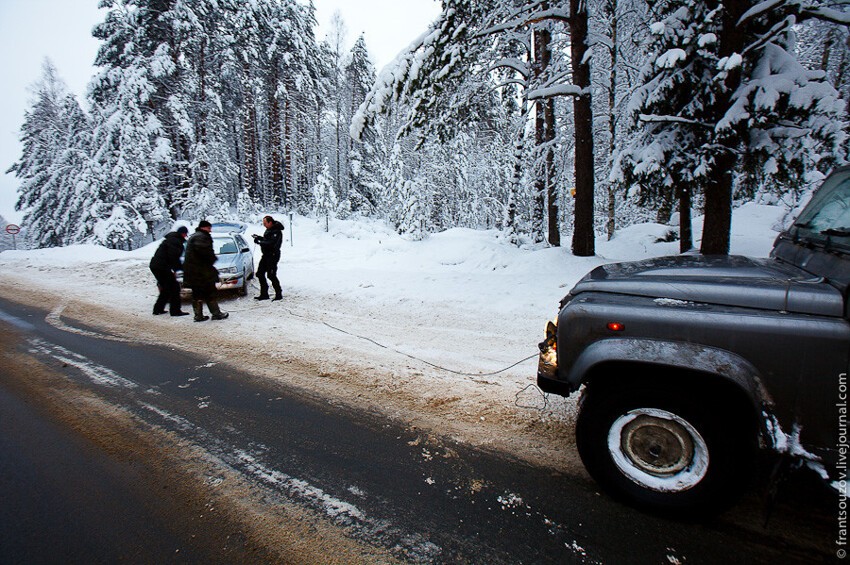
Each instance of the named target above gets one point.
<point>545,119</point>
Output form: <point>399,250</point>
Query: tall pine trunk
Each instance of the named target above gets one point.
<point>546,193</point>
<point>584,244</point>
<point>718,189</point>
<point>289,184</point>
<point>250,155</point>
<point>612,7</point>
<point>539,210</point>
<point>275,143</point>
<point>202,170</point>
<point>553,212</point>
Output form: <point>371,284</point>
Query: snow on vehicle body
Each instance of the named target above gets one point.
<point>690,363</point>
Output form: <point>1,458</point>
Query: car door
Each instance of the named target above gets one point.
<point>246,261</point>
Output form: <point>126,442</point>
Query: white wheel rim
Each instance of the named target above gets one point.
<point>658,450</point>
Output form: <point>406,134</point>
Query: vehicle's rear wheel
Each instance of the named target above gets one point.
<point>674,451</point>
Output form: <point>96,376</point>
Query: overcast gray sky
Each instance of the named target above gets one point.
<point>60,30</point>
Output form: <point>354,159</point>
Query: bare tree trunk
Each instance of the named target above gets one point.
<point>202,179</point>
<point>275,149</point>
<point>584,244</point>
<point>238,154</point>
<point>287,149</point>
<point>249,135</point>
<point>546,194</point>
<point>554,216</point>
<point>517,177</point>
<point>539,212</point>
<point>612,6</point>
<point>686,235</point>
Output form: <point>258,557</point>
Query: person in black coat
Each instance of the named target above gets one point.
<point>164,265</point>
<point>270,245</point>
<point>200,274</point>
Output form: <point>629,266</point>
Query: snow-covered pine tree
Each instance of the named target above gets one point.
<point>826,47</point>
<point>443,74</point>
<point>55,136</point>
<point>393,182</point>
<point>131,146</point>
<point>413,209</point>
<point>619,46</point>
<point>339,154</point>
<point>359,77</point>
<point>197,113</point>
<point>724,93</point>
<point>291,76</point>
<point>324,196</point>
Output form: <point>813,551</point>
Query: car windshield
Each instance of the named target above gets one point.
<point>827,216</point>
<point>224,246</point>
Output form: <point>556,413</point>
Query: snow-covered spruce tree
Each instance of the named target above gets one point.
<point>413,210</point>
<point>619,33</point>
<point>723,94</point>
<point>339,154</point>
<point>294,71</point>
<point>131,146</point>
<point>393,179</point>
<point>405,201</point>
<point>442,75</point>
<point>826,47</point>
<point>359,77</point>
<point>201,178</point>
<point>198,65</point>
<point>325,201</point>
<point>55,136</point>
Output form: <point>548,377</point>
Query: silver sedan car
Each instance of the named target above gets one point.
<point>235,262</point>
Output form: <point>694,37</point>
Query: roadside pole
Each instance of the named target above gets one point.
<point>291,235</point>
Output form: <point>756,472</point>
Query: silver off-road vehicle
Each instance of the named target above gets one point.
<point>689,365</point>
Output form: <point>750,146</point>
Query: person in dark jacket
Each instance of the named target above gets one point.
<point>270,246</point>
<point>200,274</point>
<point>164,265</point>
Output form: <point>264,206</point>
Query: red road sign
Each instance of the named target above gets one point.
<point>13,229</point>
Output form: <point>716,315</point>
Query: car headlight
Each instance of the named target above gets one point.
<point>547,363</point>
<point>227,271</point>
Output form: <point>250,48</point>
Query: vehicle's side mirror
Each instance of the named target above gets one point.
<point>245,250</point>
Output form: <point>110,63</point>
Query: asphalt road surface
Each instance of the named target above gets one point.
<point>113,451</point>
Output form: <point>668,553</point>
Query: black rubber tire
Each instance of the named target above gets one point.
<point>726,468</point>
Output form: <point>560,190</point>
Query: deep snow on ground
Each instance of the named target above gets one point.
<point>434,322</point>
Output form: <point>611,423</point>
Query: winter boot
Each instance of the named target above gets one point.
<point>198,305</point>
<point>278,296</point>
<point>264,288</point>
<point>216,312</point>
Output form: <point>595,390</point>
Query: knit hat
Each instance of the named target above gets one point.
<point>183,230</point>
<point>204,224</point>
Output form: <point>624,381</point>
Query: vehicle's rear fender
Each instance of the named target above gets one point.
<point>670,357</point>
